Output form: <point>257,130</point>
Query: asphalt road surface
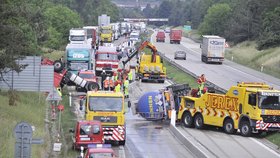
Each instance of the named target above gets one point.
<point>226,75</point>
<point>146,139</point>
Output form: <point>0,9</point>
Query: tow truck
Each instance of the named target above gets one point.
<point>251,107</point>
<point>151,66</point>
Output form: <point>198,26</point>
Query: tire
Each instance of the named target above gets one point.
<point>198,121</point>
<point>229,126</point>
<point>245,129</point>
<point>184,58</point>
<point>91,86</point>
<point>160,81</point>
<point>187,120</point>
<point>179,42</point>
<point>58,66</point>
<point>122,142</point>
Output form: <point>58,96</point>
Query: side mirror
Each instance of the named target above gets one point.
<point>71,130</point>
<point>129,104</point>
<point>81,104</point>
<point>252,99</point>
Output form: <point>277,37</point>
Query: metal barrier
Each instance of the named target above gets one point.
<point>208,83</point>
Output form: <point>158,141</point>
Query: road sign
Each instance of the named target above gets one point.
<point>53,95</point>
<point>23,133</point>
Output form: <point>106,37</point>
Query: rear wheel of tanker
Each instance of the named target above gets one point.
<point>187,120</point>
<point>122,142</point>
<point>229,126</point>
<point>198,121</point>
<point>245,129</point>
<point>58,66</point>
<point>92,86</point>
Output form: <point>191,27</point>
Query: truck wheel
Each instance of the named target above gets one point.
<point>122,142</point>
<point>229,126</point>
<point>160,81</point>
<point>92,86</point>
<point>245,129</point>
<point>198,121</point>
<point>187,120</point>
<point>179,42</point>
<point>58,66</point>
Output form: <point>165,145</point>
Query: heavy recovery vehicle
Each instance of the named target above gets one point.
<point>151,65</point>
<point>250,107</point>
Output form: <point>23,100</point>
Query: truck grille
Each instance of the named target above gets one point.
<point>109,119</point>
<point>271,119</point>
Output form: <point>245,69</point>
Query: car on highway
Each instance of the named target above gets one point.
<point>167,30</point>
<point>100,151</point>
<point>180,55</point>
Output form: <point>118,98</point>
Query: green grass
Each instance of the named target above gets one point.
<point>68,121</point>
<point>30,108</point>
<point>246,54</point>
<point>274,138</point>
<point>179,76</point>
<point>52,54</point>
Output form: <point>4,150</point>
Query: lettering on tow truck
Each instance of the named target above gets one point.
<point>105,113</point>
<point>222,102</point>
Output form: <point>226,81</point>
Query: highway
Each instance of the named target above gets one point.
<point>213,141</point>
<point>224,75</point>
<point>147,139</point>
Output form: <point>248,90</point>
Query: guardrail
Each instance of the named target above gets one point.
<point>208,83</point>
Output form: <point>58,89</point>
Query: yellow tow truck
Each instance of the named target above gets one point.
<point>106,34</point>
<point>250,107</point>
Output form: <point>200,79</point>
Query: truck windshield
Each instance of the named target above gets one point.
<point>77,66</point>
<point>269,102</point>
<point>106,31</point>
<point>107,56</point>
<point>77,38</point>
<point>105,104</point>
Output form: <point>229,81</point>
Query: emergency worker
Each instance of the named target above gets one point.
<point>118,87</point>
<point>106,83</point>
<point>130,77</point>
<point>103,77</point>
<point>201,82</point>
<point>126,87</point>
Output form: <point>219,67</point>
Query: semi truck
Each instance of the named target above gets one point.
<point>77,36</point>
<point>175,36</point>
<point>212,49</point>
<point>103,20</point>
<point>251,107</point>
<point>160,37</point>
<point>92,35</point>
<point>106,58</point>
<point>108,107</point>
<point>106,34</point>
<point>78,57</point>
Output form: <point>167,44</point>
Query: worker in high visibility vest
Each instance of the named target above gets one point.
<point>118,87</point>
<point>130,77</point>
<point>59,91</point>
<point>126,87</point>
<point>201,81</point>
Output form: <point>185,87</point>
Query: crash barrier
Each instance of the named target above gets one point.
<point>208,83</point>
<point>194,146</point>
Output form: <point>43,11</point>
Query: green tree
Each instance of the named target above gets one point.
<point>270,36</point>
<point>60,20</point>
<point>216,19</point>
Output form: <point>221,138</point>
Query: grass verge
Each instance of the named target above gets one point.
<point>30,108</point>
<point>246,54</point>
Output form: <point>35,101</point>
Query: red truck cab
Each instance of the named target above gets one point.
<point>100,151</point>
<point>175,36</point>
<point>87,132</point>
<point>160,36</point>
<point>106,59</point>
<point>87,75</point>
